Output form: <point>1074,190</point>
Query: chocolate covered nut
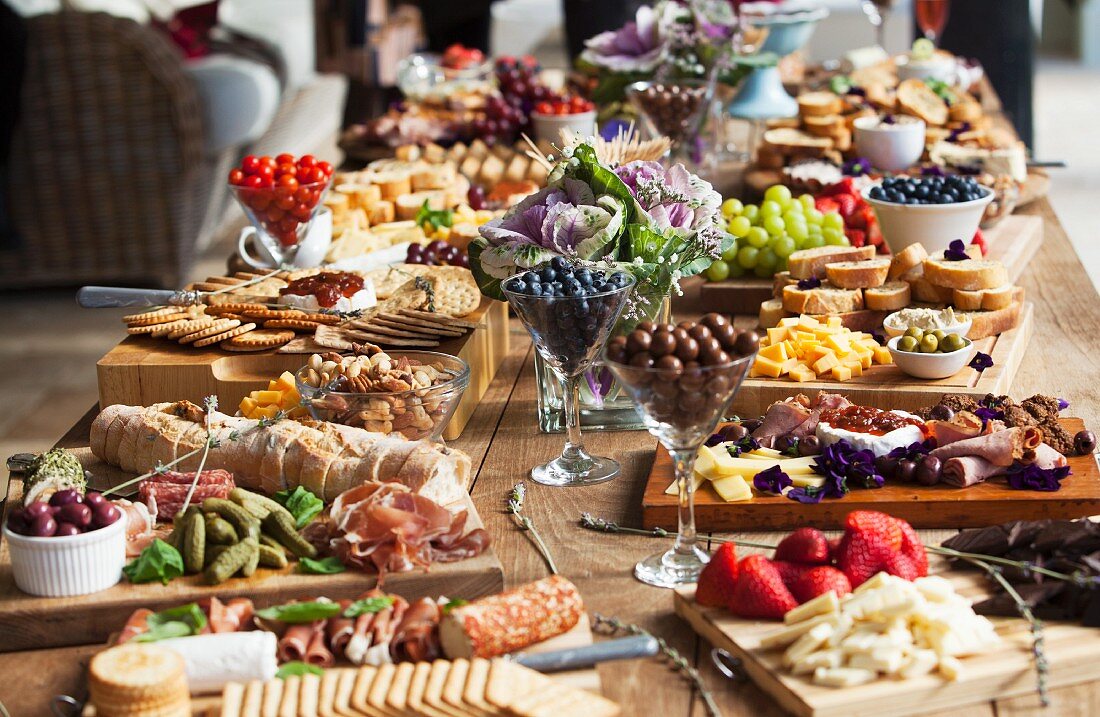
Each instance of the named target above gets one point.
<point>662,344</point>
<point>713,320</point>
<point>709,348</point>
<point>726,335</point>
<point>687,349</point>
<point>669,367</point>
<point>646,326</point>
<point>638,341</point>
<point>699,332</point>
<point>747,343</point>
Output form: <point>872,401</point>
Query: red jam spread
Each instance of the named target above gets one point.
<point>864,419</point>
<point>327,287</point>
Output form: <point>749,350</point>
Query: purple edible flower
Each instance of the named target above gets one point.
<point>954,135</point>
<point>611,129</point>
<point>933,171</point>
<point>878,337</point>
<point>1063,404</point>
<point>889,119</point>
<point>981,362</point>
<point>772,480</point>
<point>812,283</point>
<point>1032,477</point>
<point>913,451</point>
<point>809,494</point>
<point>745,445</point>
<point>988,414</point>
<point>956,251</point>
<point>856,167</point>
<point>841,462</point>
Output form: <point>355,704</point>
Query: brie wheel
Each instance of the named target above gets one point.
<point>879,445</point>
<point>362,299</point>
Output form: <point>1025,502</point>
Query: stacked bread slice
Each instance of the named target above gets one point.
<point>482,165</point>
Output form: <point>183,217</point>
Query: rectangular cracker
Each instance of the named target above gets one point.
<point>396,342</point>
<point>473,693</point>
<point>398,695</point>
<point>273,695</point>
<point>441,318</point>
<point>400,321</point>
<point>291,687</point>
<point>309,695</point>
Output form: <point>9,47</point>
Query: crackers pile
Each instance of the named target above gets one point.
<point>138,680</point>
<point>459,688</point>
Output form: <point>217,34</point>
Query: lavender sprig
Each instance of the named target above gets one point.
<point>515,508</point>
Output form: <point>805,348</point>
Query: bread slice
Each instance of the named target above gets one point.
<point>991,323</point>
<point>968,274</point>
<point>925,291</point>
<point>858,274</point>
<point>777,122</point>
<point>822,300</point>
<point>843,140</point>
<point>891,296</point>
<point>967,300</point>
<point>797,143</point>
<point>883,98</point>
<point>824,126</point>
<point>966,111</point>
<point>817,104</point>
<point>781,280</point>
<point>807,263</point>
<point>906,259</point>
<point>999,298</point>
<point>409,205</point>
<point>918,99</point>
<point>771,311</point>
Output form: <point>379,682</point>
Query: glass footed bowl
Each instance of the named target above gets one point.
<point>281,215</point>
<point>672,109</point>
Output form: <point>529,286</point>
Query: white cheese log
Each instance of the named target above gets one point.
<point>216,659</point>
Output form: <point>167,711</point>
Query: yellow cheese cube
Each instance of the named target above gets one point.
<point>285,382</point>
<point>267,397</point>
<point>290,400</point>
<point>777,334</point>
<point>754,372</point>
<point>869,344</point>
<point>854,365</point>
<point>823,331</point>
<point>248,405</point>
<point>775,352</point>
<point>790,363</point>
<point>806,336</point>
<point>839,344</point>
<point>826,363</point>
<point>808,320</point>
<point>789,321</point>
<point>866,360</point>
<point>272,386</point>
<point>834,321</point>
<point>882,355</point>
<point>818,351</point>
<point>768,367</point>
<point>842,373</point>
<point>265,412</point>
<point>802,373</point>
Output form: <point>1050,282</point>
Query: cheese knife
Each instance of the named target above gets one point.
<point>575,658</point>
<point>118,297</point>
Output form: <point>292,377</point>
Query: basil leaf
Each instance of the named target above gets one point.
<point>298,612</point>
<point>324,566</point>
<point>453,604</point>
<point>159,561</point>
<point>436,217</point>
<point>301,503</point>
<point>172,628</point>
<point>368,606</point>
<point>190,615</point>
<point>297,669</point>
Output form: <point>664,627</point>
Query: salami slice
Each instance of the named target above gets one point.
<point>164,493</point>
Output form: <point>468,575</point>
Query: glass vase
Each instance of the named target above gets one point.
<point>604,404</point>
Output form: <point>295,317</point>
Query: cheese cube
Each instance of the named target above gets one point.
<point>820,605</point>
<point>834,321</point>
<point>950,668</point>
<point>290,400</point>
<point>842,676</point>
<point>807,644</point>
<point>842,373</point>
<point>768,367</point>
<point>882,355</point>
<point>839,344</point>
<point>921,662</point>
<point>802,373</point>
<point>265,412</point>
<point>818,351</point>
<point>754,372</point>
<point>267,397</point>
<point>775,352</point>
<point>822,658</point>
<point>854,365</point>
<point>790,363</point>
<point>248,405</point>
<point>285,382</point>
<point>790,633</point>
<point>272,386</point>
<point>789,321</point>
<point>777,334</point>
<point>826,363</point>
<point>806,336</point>
<point>807,323</point>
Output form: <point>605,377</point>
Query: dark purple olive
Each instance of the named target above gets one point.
<point>809,446</point>
<point>65,497</point>
<point>17,520</point>
<point>36,509</point>
<point>78,514</point>
<point>66,529</point>
<point>928,472</point>
<point>105,514</point>
<point>751,424</point>
<point>734,432</point>
<point>1084,442</point>
<point>941,412</point>
<point>43,526</point>
<point>887,467</point>
<point>94,499</point>
<point>906,469</point>
<point>783,444</point>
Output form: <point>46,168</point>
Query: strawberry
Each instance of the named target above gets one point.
<point>856,237</point>
<point>718,578</point>
<point>979,239</point>
<point>846,204</point>
<point>760,592</point>
<point>874,236</point>
<point>901,565</point>
<point>872,521</point>
<point>846,185</point>
<point>818,581</point>
<point>913,548</point>
<point>805,545</point>
<point>789,571</point>
<point>826,205</point>
<point>862,555</point>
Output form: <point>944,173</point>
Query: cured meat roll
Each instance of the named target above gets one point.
<point>500,624</point>
<point>163,493</point>
<point>1002,448</point>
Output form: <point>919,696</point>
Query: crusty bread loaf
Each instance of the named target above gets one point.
<point>925,291</point>
<point>891,296</point>
<point>991,323</point>
<point>825,299</point>
<point>796,143</point>
<point>906,259</point>
<point>999,298</point>
<point>968,274</point>
<point>381,212</point>
<point>771,311</point>
<point>918,99</point>
<point>966,300</point>
<point>857,274</point>
<point>807,263</point>
<point>817,104</point>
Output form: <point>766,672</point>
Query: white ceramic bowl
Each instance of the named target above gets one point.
<point>931,366</point>
<point>548,127</point>
<point>960,329</point>
<point>890,147</point>
<point>933,225</point>
<point>63,566</point>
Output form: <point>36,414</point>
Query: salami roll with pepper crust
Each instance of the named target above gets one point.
<point>500,624</point>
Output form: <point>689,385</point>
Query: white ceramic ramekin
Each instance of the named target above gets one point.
<point>63,566</point>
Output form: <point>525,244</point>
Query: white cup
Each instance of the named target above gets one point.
<point>311,250</point>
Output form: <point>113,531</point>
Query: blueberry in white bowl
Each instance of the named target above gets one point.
<point>953,189</point>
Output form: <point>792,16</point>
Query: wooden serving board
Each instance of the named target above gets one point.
<point>142,371</point>
<point>30,622</point>
<point>938,506</point>
<point>1013,242</point>
<point>1072,651</point>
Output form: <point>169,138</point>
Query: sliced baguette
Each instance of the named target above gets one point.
<point>780,281</point>
<point>906,259</point>
<point>771,311</point>
<point>807,263</point>
<point>822,300</point>
<point>891,296</point>
<point>778,122</point>
<point>408,205</point>
<point>824,126</point>
<point>991,323</point>
<point>796,143</point>
<point>818,104</point>
<point>966,111</point>
<point>968,300</point>
<point>858,274</point>
<point>925,291</point>
<point>917,98</point>
<point>967,275</point>
<point>999,298</point>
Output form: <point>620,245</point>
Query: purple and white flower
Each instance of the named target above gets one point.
<point>638,46</point>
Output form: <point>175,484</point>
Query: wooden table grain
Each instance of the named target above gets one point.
<point>503,439</point>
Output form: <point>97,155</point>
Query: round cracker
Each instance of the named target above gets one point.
<point>216,338</point>
<point>264,338</point>
<point>296,324</point>
<point>266,313</point>
<point>218,327</point>
<point>191,327</point>
<point>163,311</point>
<point>233,307</point>
<point>135,330</point>
<point>162,330</point>
<point>327,319</point>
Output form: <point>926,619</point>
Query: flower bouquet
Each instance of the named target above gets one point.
<point>659,224</point>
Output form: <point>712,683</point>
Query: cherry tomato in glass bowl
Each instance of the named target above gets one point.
<point>250,164</point>
<point>286,203</point>
<point>267,174</point>
<point>288,181</point>
<point>286,170</point>
<point>253,182</point>
<point>236,177</point>
<point>302,212</point>
<point>267,161</point>
<point>285,158</point>
<point>307,161</point>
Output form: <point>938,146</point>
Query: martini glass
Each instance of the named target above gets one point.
<point>281,215</point>
<point>569,334</point>
<point>681,410</point>
<point>675,109</point>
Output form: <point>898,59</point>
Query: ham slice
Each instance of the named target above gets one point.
<point>140,524</point>
<point>244,610</point>
<point>294,644</point>
<point>1047,458</point>
<point>1002,448</point>
<point>781,419</point>
<point>317,652</point>
<point>417,637</point>
<point>371,637</point>
<point>964,471</point>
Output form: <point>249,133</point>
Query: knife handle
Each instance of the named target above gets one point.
<point>115,297</point>
<point>624,648</point>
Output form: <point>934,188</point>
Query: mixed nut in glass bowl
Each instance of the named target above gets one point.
<point>413,393</point>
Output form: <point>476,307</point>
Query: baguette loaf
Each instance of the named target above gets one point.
<point>925,291</point>
<point>858,274</point>
<point>891,296</point>
<point>822,300</point>
<point>780,281</point>
<point>325,458</point>
<point>796,143</point>
<point>908,258</point>
<point>808,263</point>
<point>967,275</point>
<point>966,300</point>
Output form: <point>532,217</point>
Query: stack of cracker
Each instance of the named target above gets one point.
<point>458,688</point>
<point>137,680</point>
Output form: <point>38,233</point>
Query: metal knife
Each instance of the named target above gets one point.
<point>575,658</point>
<point>117,297</point>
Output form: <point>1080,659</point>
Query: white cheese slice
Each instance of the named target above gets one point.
<point>216,659</point>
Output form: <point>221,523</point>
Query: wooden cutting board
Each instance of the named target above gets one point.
<point>30,622</point>
<point>1013,242</point>
<point>142,371</point>
<point>938,506</point>
<point>1009,671</point>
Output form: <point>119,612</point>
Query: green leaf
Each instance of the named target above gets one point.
<point>435,217</point>
<point>301,503</point>
<point>368,606</point>
<point>603,180</point>
<point>297,669</point>
<point>324,566</point>
<point>489,285</point>
<point>840,84</point>
<point>159,561</point>
<point>190,616</point>
<point>299,612</point>
<point>454,604</point>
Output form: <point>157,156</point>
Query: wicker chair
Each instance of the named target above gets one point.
<point>107,178</point>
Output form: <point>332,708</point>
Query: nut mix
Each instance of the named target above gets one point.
<point>415,412</point>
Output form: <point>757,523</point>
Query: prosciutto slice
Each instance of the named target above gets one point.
<point>822,402</point>
<point>371,637</point>
<point>317,651</point>
<point>1002,448</point>
<point>164,493</point>
<point>417,637</point>
<point>136,624</point>
<point>140,524</point>
<point>338,630</point>
<point>781,419</point>
<point>294,644</point>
